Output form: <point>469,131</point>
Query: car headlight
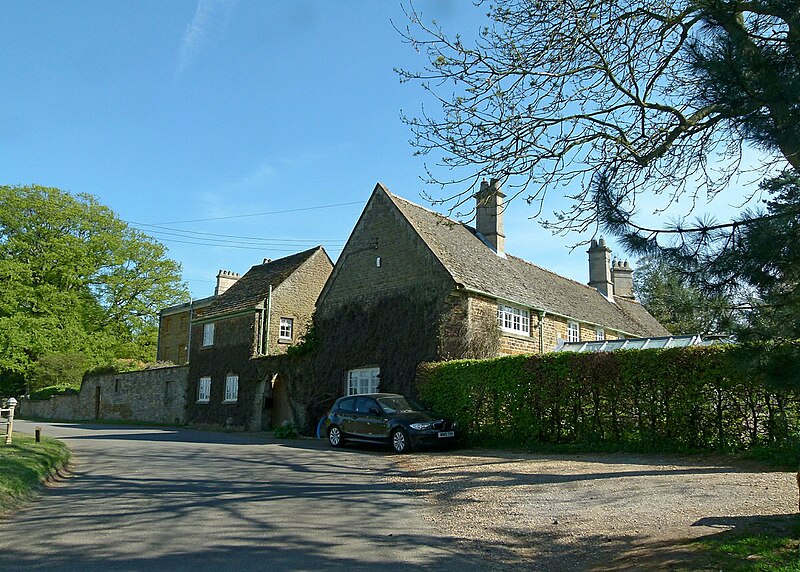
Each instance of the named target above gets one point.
<point>420,426</point>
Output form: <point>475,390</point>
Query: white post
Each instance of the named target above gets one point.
<point>12,403</point>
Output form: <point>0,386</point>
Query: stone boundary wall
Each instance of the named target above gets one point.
<point>154,395</point>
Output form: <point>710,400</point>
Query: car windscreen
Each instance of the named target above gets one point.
<point>394,404</point>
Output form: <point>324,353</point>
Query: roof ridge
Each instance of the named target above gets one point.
<point>413,204</point>
<point>543,269</point>
<point>472,230</point>
<point>273,261</point>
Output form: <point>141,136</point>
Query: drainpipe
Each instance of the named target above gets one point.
<point>189,342</point>
<point>260,346</point>
<point>158,342</point>
<point>541,331</point>
<point>265,330</point>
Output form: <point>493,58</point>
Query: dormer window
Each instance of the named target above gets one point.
<point>513,319</point>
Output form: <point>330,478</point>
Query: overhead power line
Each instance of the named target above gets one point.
<point>166,230</point>
<point>238,246</point>
<point>263,213</point>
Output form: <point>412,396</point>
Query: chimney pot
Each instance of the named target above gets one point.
<point>225,279</point>
<point>622,275</point>
<point>489,214</point>
<point>600,268</point>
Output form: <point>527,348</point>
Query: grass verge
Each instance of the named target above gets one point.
<point>759,544</point>
<point>25,465</point>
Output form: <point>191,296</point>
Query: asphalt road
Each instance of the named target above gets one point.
<point>143,498</point>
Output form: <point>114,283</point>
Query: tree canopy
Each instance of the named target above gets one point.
<point>618,104</point>
<point>679,305</point>
<point>80,287</point>
<point>660,96</point>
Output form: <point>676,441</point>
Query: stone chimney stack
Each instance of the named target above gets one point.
<point>489,215</point>
<point>622,275</point>
<point>600,268</point>
<point>225,279</point>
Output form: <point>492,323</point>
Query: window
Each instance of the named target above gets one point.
<point>286,329</point>
<point>167,325</point>
<point>208,334</point>
<point>231,388</point>
<point>204,390</point>
<point>363,380</point>
<point>511,319</point>
<point>184,323</point>
<point>599,334</point>
<point>573,331</point>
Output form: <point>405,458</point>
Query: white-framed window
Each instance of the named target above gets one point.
<point>573,331</point>
<point>231,388</point>
<point>287,329</point>
<point>208,334</point>
<point>363,380</point>
<point>204,390</point>
<point>599,334</point>
<point>513,319</point>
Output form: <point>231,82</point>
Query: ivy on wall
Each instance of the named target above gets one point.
<point>679,399</point>
<point>396,332</point>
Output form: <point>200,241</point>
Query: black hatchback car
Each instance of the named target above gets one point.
<point>386,418</point>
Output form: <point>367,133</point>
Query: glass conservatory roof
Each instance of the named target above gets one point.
<point>640,343</point>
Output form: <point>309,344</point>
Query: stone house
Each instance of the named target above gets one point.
<point>174,322</point>
<point>262,313</point>
<point>412,285</point>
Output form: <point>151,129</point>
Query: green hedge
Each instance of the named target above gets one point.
<point>677,399</point>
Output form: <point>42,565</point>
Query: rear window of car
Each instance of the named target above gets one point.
<point>347,405</point>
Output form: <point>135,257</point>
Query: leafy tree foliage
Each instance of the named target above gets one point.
<point>680,307</point>
<point>79,286</point>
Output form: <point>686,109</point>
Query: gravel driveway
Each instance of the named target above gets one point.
<point>584,512</point>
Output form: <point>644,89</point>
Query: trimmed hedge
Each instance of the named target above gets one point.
<point>664,399</point>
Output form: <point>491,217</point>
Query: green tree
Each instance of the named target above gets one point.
<point>678,305</point>
<point>79,286</point>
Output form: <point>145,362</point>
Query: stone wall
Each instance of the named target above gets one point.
<point>480,311</point>
<point>153,395</point>
<point>296,298</point>
<point>59,407</point>
<point>384,256</point>
<point>383,304</point>
<point>173,337</point>
<point>235,341</point>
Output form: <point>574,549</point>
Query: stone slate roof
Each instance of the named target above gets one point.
<point>474,265</point>
<point>250,291</point>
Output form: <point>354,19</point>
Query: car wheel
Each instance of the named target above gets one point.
<point>400,442</point>
<point>335,436</point>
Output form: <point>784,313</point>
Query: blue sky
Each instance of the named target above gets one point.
<point>251,113</point>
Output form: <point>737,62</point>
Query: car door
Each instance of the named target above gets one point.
<point>347,416</point>
<point>369,419</point>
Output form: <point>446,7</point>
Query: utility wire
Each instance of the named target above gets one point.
<point>262,214</point>
<point>224,237</point>
<point>238,246</point>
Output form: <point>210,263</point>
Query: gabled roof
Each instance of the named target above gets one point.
<point>475,266</point>
<point>250,291</point>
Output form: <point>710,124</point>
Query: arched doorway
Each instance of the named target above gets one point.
<point>281,410</point>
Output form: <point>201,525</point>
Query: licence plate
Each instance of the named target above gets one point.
<point>447,434</point>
